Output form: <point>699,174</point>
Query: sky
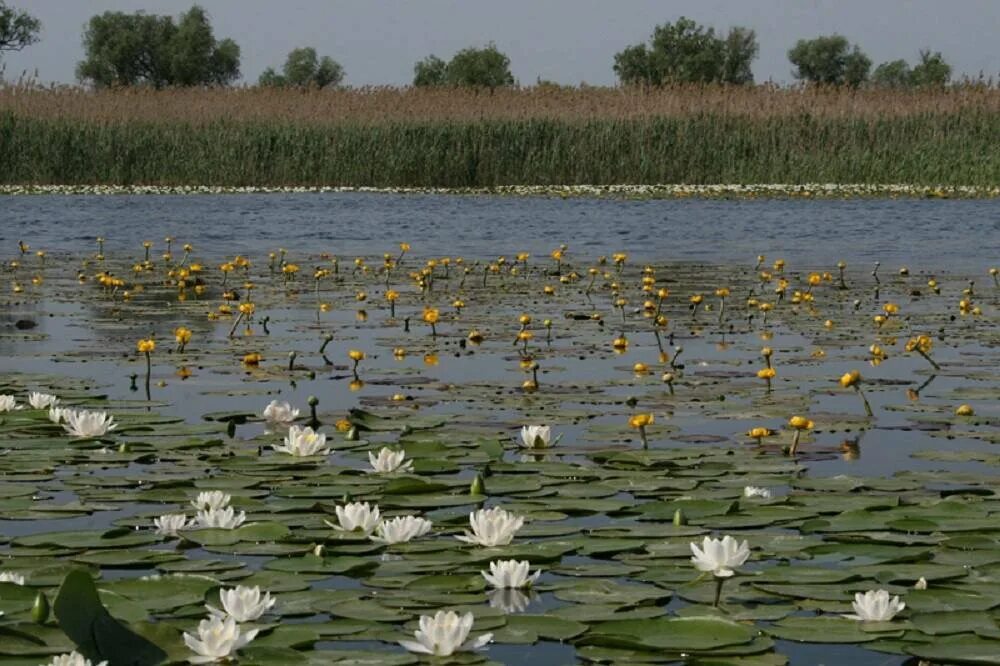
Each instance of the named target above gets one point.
<point>566,41</point>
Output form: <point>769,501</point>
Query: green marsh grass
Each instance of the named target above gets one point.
<point>537,136</point>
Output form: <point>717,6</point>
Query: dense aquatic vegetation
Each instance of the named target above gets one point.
<point>719,463</point>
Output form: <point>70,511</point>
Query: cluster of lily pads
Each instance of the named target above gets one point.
<point>554,458</point>
<point>660,191</point>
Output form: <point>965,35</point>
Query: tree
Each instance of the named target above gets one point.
<point>303,68</point>
<point>932,70</point>
<point>634,65</point>
<point>856,68</point>
<point>17,28</point>
<point>686,52</point>
<point>147,49</point>
<point>486,67</point>
<point>195,56</point>
<point>741,50</point>
<point>270,78</point>
<point>894,74</point>
<point>829,60</point>
<point>431,71</point>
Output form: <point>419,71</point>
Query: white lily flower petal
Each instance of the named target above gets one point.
<point>510,574</point>
<point>169,524</point>
<point>492,527</point>
<point>388,461</point>
<point>401,529</point>
<point>218,638</point>
<point>73,659</point>
<point>536,436</point>
<point>86,423</point>
<point>42,400</point>
<point>212,499</point>
<point>243,604</point>
<point>875,606</point>
<point>8,403</point>
<point>226,519</point>
<point>11,577</point>
<point>302,442</point>
<point>280,412</point>
<point>445,633</point>
<point>720,556</point>
<point>358,516</point>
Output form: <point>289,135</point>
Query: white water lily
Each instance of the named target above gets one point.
<point>211,499</point>
<point>8,403</point>
<point>756,491</point>
<point>510,574</point>
<point>243,604</point>
<point>358,516</point>
<point>217,639</point>
<point>492,527</point>
<point>226,518</point>
<point>720,556</point>
<point>920,584</point>
<point>389,461</point>
<point>301,442</point>
<point>73,659</point>
<point>42,400</point>
<point>509,600</point>
<point>58,415</point>
<point>11,577</point>
<point>444,633</point>
<point>875,606</point>
<point>280,412</point>
<point>169,524</point>
<point>536,436</point>
<point>401,529</point>
<point>86,423</point>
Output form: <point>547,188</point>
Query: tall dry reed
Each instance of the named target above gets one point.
<point>454,137</point>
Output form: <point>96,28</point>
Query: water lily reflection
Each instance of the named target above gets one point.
<point>510,600</point>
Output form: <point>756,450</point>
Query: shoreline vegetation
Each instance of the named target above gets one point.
<point>633,192</point>
<point>691,140</point>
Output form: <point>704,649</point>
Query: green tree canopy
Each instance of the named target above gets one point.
<point>486,67</point>
<point>893,74</point>
<point>686,52</point>
<point>431,71</point>
<point>146,49</point>
<point>303,68</point>
<point>931,71</point>
<point>18,28</point>
<point>829,60</point>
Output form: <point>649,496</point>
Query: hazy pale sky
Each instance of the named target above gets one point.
<point>568,41</point>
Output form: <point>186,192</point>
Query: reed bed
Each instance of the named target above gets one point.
<point>384,137</point>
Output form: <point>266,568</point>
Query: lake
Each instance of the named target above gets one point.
<point>858,501</point>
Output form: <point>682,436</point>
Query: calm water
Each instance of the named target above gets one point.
<point>957,236</point>
<point>928,233</point>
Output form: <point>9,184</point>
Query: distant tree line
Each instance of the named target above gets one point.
<point>482,67</point>
<point>123,49</point>
<point>304,69</point>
